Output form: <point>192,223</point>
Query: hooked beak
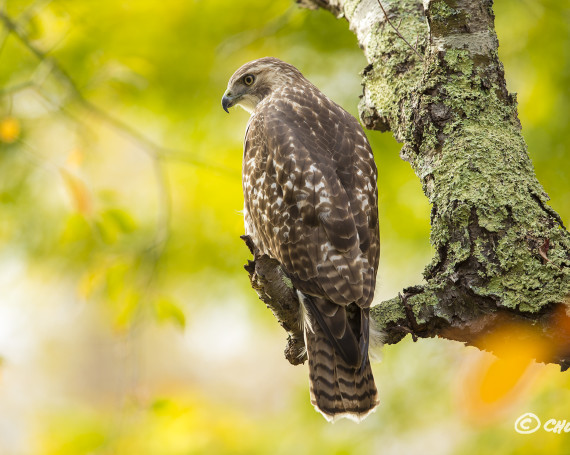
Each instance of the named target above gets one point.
<point>227,101</point>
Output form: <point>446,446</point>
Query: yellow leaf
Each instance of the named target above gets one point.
<point>78,191</point>
<point>90,282</point>
<point>166,310</point>
<point>76,229</point>
<point>126,308</point>
<point>112,223</point>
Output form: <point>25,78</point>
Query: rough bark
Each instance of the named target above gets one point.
<point>503,255</point>
<point>276,290</point>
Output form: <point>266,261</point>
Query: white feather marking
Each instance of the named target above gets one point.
<point>326,246</point>
<point>304,318</point>
<point>346,415</point>
<point>376,343</point>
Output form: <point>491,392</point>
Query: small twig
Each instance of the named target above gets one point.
<point>3,39</point>
<point>543,251</point>
<point>16,88</point>
<point>397,31</point>
<point>243,39</point>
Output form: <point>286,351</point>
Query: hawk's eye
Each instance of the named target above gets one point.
<point>249,79</point>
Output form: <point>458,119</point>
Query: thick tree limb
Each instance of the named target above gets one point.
<point>276,290</point>
<point>503,255</point>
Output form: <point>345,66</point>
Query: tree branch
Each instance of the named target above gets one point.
<point>503,255</point>
<point>277,292</point>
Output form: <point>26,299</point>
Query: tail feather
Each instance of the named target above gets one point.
<point>337,388</point>
<point>334,321</point>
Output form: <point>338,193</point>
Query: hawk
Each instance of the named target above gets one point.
<point>311,203</point>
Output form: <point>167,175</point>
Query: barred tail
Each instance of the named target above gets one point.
<point>338,389</point>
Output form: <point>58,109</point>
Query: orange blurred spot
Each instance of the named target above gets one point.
<point>9,130</point>
<point>78,191</point>
<point>489,386</point>
<point>500,377</point>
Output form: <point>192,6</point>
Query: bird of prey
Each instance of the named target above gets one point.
<point>311,203</point>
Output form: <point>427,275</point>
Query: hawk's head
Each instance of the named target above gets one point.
<point>257,79</point>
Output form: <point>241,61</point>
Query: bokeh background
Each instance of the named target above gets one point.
<point>127,324</point>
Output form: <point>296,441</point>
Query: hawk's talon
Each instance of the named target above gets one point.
<point>405,329</point>
<point>410,316</point>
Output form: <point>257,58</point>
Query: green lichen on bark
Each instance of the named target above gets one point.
<point>395,70</point>
<point>481,179</point>
<point>442,12</point>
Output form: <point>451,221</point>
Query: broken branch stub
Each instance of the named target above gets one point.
<point>275,289</point>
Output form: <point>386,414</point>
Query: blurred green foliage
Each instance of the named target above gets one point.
<point>120,191</point>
